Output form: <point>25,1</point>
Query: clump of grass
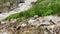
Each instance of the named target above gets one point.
<point>14,16</point>
<point>41,8</point>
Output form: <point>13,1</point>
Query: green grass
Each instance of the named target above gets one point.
<point>41,8</point>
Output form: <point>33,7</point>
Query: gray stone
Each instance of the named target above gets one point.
<point>48,18</point>
<point>56,20</point>
<point>31,21</point>
<point>46,23</point>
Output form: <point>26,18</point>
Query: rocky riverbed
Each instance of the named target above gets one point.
<point>34,25</point>
<point>21,7</point>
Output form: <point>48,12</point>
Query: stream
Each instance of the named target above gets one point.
<point>22,7</point>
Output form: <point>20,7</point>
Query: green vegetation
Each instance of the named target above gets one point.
<point>41,8</point>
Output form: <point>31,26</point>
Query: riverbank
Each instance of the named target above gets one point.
<point>34,25</point>
<point>22,7</point>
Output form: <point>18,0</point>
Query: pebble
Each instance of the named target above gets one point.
<point>31,21</point>
<point>23,25</point>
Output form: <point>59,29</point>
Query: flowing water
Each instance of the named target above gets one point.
<point>22,7</point>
